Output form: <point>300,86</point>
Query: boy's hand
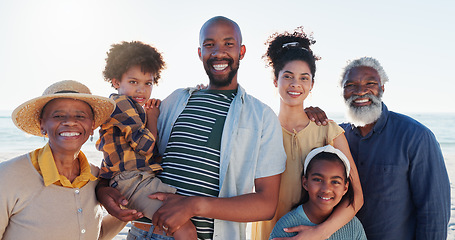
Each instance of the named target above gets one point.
<point>151,103</point>
<point>201,86</point>
<point>152,108</point>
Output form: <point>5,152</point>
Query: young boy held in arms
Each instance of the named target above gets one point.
<point>128,138</point>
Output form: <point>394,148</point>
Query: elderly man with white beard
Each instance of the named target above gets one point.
<point>404,179</point>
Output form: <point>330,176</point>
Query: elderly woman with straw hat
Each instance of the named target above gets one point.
<point>49,193</point>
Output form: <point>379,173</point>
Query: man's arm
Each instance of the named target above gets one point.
<point>316,115</point>
<point>430,188</point>
<point>260,205</point>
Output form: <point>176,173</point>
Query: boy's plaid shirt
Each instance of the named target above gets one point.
<point>124,140</point>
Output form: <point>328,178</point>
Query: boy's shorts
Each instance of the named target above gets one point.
<point>136,186</point>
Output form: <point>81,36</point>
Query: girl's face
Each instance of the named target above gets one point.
<point>294,83</point>
<point>326,184</point>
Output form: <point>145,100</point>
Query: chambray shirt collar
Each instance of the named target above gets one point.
<point>380,124</point>
<point>241,93</point>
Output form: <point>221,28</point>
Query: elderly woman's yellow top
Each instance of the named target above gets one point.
<point>31,210</point>
<point>44,163</point>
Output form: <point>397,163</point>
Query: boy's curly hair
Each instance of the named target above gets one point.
<point>286,47</point>
<point>125,55</point>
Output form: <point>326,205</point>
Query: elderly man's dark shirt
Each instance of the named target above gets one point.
<point>404,179</point>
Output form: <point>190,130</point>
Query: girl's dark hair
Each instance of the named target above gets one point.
<point>287,47</point>
<point>330,157</point>
<point>125,55</point>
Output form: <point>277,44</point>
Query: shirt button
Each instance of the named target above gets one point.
<point>79,210</point>
<point>83,231</point>
<point>77,191</point>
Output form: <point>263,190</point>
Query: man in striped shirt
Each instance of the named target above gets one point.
<point>222,148</point>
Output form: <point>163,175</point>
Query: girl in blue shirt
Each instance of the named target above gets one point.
<point>326,182</point>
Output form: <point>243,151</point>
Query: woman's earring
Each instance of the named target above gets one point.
<point>91,138</point>
<point>44,135</point>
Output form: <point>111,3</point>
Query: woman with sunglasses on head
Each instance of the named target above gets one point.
<point>294,69</point>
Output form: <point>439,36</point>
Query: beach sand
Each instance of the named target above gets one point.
<point>449,159</point>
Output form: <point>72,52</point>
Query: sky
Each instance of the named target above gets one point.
<point>46,41</point>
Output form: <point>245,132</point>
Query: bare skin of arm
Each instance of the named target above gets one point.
<point>153,111</point>
<point>343,213</point>
<point>260,205</point>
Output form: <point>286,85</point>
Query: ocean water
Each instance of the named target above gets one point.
<point>13,140</point>
<point>441,124</point>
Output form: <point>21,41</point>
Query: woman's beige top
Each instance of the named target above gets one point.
<point>31,210</point>
<point>297,145</point>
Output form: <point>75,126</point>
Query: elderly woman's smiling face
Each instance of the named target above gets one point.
<point>68,124</point>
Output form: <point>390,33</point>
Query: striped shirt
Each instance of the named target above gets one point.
<point>192,156</point>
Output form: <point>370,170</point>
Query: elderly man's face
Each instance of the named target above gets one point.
<point>361,82</point>
<point>362,93</point>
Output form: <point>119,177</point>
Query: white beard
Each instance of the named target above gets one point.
<point>361,116</point>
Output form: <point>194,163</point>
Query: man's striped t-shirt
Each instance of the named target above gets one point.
<point>192,157</point>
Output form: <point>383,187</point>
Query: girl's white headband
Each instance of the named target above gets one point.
<point>329,149</point>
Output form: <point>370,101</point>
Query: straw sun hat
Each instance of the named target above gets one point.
<point>27,116</point>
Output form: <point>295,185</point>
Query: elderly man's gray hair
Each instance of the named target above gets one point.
<point>364,62</point>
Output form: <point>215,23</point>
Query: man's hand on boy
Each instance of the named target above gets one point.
<point>112,201</point>
<point>175,211</point>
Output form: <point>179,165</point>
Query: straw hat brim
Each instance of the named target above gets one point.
<point>27,116</point>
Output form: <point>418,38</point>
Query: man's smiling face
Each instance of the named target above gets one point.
<point>362,93</point>
<point>220,53</point>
